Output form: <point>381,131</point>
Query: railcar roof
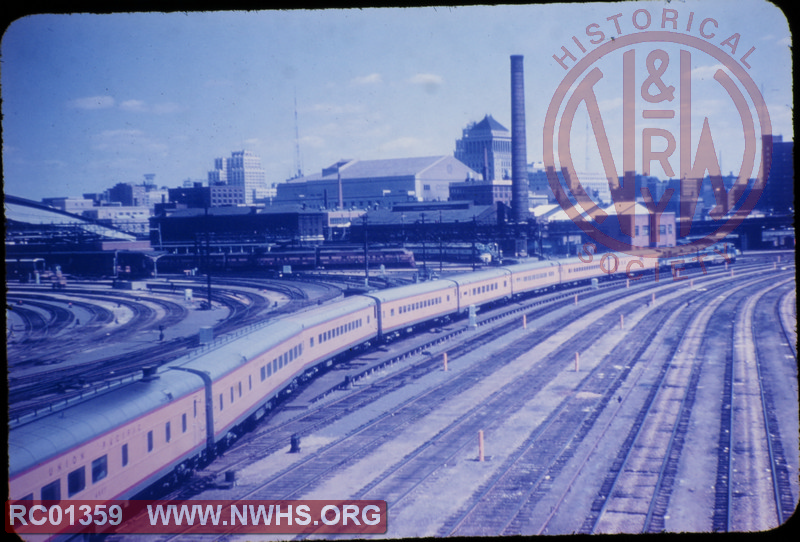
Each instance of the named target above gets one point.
<point>47,436</point>
<point>393,294</point>
<point>477,276</point>
<point>331,311</point>
<point>528,266</point>
<point>222,357</point>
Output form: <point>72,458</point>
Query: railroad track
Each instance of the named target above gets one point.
<point>751,425</point>
<point>41,391</point>
<point>366,438</point>
<point>659,432</point>
<point>505,504</point>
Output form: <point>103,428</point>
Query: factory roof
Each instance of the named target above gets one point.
<point>451,214</point>
<point>391,167</point>
<point>240,211</point>
<point>25,211</point>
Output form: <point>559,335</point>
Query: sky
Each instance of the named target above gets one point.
<point>89,101</point>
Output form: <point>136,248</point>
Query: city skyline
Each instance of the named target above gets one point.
<point>93,100</point>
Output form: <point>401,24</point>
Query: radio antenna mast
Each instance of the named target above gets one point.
<point>298,166</point>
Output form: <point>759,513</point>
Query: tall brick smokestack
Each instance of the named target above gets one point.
<point>519,147</point>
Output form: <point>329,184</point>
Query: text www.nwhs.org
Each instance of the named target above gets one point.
<point>197,517</point>
<point>268,515</point>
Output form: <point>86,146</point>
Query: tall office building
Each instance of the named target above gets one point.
<point>778,195</point>
<point>218,175</point>
<point>243,169</point>
<point>485,147</point>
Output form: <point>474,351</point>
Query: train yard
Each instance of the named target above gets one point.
<point>63,345</point>
<point>634,406</point>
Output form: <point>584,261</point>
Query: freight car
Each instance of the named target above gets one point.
<point>160,427</point>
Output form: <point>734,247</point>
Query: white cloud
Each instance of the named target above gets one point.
<point>126,141</point>
<point>706,72</point>
<point>371,79</point>
<point>426,79</point>
<point>93,102</point>
<point>133,105</point>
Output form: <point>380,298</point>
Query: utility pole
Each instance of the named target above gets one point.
<point>441,248</point>
<point>208,256</point>
<point>424,258</point>
<point>366,253</point>
<point>474,236</point>
<point>298,165</point>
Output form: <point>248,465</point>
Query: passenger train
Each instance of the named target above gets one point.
<point>174,418</point>
<point>325,258</point>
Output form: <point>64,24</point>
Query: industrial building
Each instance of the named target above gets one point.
<point>184,230</point>
<point>216,195</point>
<point>482,192</point>
<point>362,184</point>
<point>451,221</point>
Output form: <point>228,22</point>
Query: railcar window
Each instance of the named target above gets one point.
<point>249,382</point>
<point>221,406</point>
<point>99,468</point>
<point>263,373</point>
<point>184,424</point>
<point>124,455</point>
<point>150,440</point>
<point>52,491</point>
<point>391,312</point>
<point>274,365</point>
<point>311,342</point>
<point>231,394</point>
<point>76,481</point>
<point>168,432</point>
<point>194,406</point>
